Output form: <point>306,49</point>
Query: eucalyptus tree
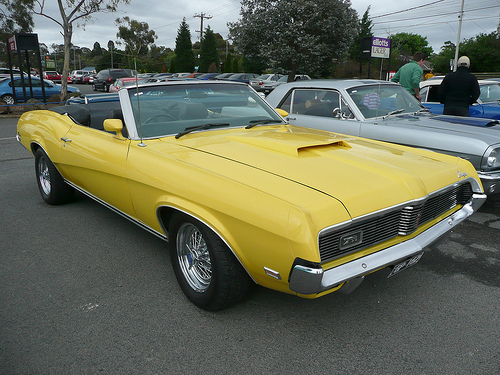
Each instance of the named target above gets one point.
<point>136,35</point>
<point>68,12</point>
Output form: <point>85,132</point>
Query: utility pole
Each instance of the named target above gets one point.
<point>461,16</point>
<point>202,16</point>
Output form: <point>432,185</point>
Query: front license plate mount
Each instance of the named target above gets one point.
<point>405,264</point>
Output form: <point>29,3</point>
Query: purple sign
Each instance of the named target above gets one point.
<point>381,47</point>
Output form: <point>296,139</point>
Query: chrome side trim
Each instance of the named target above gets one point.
<point>312,280</point>
<point>116,210</point>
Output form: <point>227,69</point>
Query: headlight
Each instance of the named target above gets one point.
<point>491,159</point>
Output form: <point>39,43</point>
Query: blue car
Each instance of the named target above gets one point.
<point>50,89</point>
<point>487,106</point>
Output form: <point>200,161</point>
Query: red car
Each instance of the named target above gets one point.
<point>52,75</point>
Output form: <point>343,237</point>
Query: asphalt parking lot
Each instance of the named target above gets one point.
<point>84,291</point>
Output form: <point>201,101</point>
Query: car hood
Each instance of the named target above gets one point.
<point>364,175</point>
<point>486,130</point>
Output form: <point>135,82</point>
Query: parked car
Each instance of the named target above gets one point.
<point>259,82</point>
<point>241,77</point>
<point>76,75</point>
<point>487,106</point>
<point>5,72</point>
<point>49,87</point>
<point>126,81</point>
<point>243,197</point>
<point>89,79</point>
<point>52,75</point>
<point>207,76</point>
<point>106,77</point>
<point>387,112</point>
<point>223,75</point>
<point>270,86</point>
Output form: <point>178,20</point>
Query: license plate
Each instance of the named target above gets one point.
<point>405,264</point>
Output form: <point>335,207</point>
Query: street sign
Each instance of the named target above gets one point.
<point>381,47</point>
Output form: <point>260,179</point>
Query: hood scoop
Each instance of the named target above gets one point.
<point>285,143</point>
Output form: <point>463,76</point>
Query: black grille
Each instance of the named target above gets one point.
<point>402,221</point>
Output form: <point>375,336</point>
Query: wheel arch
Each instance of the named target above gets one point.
<point>166,212</point>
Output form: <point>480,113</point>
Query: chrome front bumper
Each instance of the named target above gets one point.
<point>490,181</point>
<point>311,280</point>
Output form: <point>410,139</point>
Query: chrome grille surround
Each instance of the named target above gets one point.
<point>400,220</point>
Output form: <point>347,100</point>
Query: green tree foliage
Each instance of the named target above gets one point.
<point>364,30</point>
<point>484,52</point>
<point>208,52</point>
<point>404,45</point>
<point>184,60</point>
<point>228,64</point>
<point>135,35</point>
<point>441,61</point>
<point>295,35</point>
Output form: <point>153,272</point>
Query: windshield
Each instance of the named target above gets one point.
<point>169,109</point>
<point>490,93</point>
<point>382,99</point>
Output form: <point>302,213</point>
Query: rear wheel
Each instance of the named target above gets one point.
<point>208,273</point>
<point>50,183</point>
<point>8,99</point>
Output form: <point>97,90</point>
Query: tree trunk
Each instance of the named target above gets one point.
<point>68,32</point>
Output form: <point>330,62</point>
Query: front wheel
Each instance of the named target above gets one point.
<point>208,273</point>
<point>50,183</point>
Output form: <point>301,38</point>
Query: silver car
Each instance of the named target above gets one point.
<point>259,82</point>
<point>385,111</point>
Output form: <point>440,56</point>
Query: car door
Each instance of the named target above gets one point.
<point>323,109</point>
<point>96,162</point>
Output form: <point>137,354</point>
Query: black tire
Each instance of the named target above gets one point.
<point>94,88</point>
<point>106,88</point>
<point>209,274</point>
<point>8,99</point>
<point>50,182</point>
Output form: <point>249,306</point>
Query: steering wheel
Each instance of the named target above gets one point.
<point>160,117</point>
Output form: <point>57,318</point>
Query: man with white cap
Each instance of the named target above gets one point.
<point>459,89</point>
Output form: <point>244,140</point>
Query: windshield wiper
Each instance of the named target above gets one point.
<point>260,122</point>
<point>421,110</point>
<point>190,129</point>
<point>395,112</point>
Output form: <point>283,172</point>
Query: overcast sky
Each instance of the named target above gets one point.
<point>435,19</point>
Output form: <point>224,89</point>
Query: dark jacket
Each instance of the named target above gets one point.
<point>459,89</point>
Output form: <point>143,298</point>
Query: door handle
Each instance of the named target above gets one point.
<point>291,118</point>
<point>64,139</point>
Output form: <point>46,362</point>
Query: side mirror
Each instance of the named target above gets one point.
<point>282,112</point>
<point>114,125</point>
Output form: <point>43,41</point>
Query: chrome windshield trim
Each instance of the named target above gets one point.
<point>312,280</point>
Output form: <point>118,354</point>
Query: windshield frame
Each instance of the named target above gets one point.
<point>233,103</point>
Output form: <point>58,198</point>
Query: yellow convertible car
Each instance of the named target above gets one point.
<point>241,196</point>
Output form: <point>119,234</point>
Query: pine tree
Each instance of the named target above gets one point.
<point>184,60</point>
<point>208,52</point>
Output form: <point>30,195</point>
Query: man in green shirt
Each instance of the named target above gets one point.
<point>410,74</point>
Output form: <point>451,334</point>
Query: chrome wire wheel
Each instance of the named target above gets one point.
<point>194,258</point>
<point>44,176</point>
